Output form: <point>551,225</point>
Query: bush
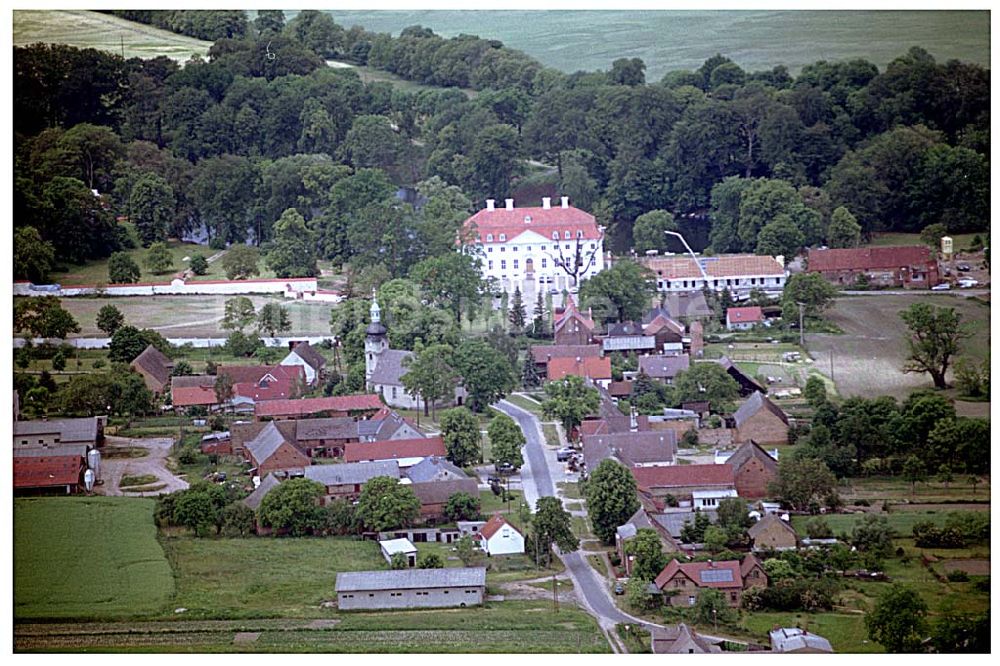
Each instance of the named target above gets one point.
<point>957,576</point>
<point>99,363</point>
<point>188,455</point>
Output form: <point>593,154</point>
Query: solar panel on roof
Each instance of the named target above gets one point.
<point>717,576</point>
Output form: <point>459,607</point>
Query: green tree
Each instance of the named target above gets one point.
<point>715,539</point>
<point>814,391</point>
<point>242,344</point>
<point>198,264</point>
<point>780,237</point>
<point>706,381</point>
<point>386,504</point>
<point>506,440</point>
<point>517,315</point>
<point>34,257</point>
<point>452,280</point>
<point>486,373</point>
<point>237,520</point>
<point>648,230</point>
<point>460,432</point>
<point>945,474</point>
<point>462,506</point>
<point>195,510</point>
<point>550,525</point>
<point>914,471</point>
<point>647,550</point>
<point>932,234</point>
<point>292,253</point>
<point>611,498</point>
<point>897,622</point>
<point>273,319</point>
<point>935,336</point>
<point>621,293</point>
<point>818,528</point>
<point>970,380</point>
<point>158,259</point>
<point>873,535</point>
<point>43,317</point>
<point>430,561</point>
<point>151,206</point>
<point>372,143</point>
<point>223,389</point>
<point>241,262</point>
<point>109,319</point>
<point>803,480</point>
<point>844,230</point>
<point>711,608</point>
<point>398,561</point>
<point>467,551</point>
<point>570,400</point>
<point>734,518</point>
<point>239,314</point>
<point>122,269</point>
<point>529,373</point>
<point>810,289</point>
<point>429,376</point>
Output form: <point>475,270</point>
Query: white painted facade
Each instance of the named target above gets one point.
<point>295,288</point>
<point>295,359</point>
<point>506,541</point>
<point>709,499</point>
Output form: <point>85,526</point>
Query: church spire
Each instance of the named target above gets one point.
<point>376,312</point>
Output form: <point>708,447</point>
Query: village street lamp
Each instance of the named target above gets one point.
<point>694,257</point>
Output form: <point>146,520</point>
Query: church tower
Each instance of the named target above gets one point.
<point>376,341</point>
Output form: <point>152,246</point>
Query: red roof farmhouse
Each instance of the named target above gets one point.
<point>909,266</point>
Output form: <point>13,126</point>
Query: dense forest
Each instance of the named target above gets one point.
<point>770,162</point>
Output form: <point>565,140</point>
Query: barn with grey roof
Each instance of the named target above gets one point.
<point>411,588</point>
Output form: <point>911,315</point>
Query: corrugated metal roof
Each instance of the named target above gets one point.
<point>69,430</point>
<point>266,443</point>
<point>410,579</point>
<point>351,473</point>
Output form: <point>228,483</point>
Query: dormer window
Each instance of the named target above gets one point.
<point>566,235</point>
<point>489,238</point>
<point>503,237</point>
<point>555,235</point>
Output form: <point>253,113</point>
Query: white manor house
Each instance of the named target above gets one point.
<point>527,248</point>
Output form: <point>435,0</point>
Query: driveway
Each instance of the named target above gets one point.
<point>154,463</point>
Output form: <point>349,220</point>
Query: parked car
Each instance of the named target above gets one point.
<point>619,589</point>
<point>944,286</point>
<point>965,268</point>
<point>565,453</point>
<point>967,283</point>
<point>504,468</point>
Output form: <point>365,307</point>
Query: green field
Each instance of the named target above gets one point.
<point>96,272</point>
<point>85,29</point>
<point>901,522</point>
<point>962,241</point>
<point>87,557</point>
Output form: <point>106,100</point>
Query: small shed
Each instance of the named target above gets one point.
<point>404,546</point>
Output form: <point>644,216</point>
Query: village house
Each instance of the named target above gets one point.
<point>739,273</point>
<point>253,384</point>
<point>49,471</point>
<point>307,358</point>
<point>760,420</point>
<point>434,468</point>
<point>411,588</point>
<point>641,519</point>
<point>909,266</point>
<point>680,481</point>
<point>668,335</point>
<point>403,546</point>
<point>434,496</point>
<point>632,449</point>
<point>798,641</point>
<point>664,368</point>
<point>772,533</point>
<point>155,368</point>
<point>48,433</point>
<point>345,481</point>
<point>386,424</point>
<point>406,452</point>
<point>526,248</point>
<point>743,319</point>
<point>682,582</point>
<point>271,451</point>
<point>627,337</point>
<point>679,639</point>
<point>598,370</point>
<point>571,327</point>
<point>499,537</point>
<point>361,405</point>
<point>193,391</point>
<point>325,437</point>
<point>754,469</point>
<point>543,354</point>
<point>745,382</point>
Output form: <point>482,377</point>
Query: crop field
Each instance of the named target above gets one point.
<point>868,357</point>
<point>87,557</point>
<point>901,522</point>
<point>85,29</point>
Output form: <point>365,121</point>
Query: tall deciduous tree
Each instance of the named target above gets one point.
<point>293,251</point>
<point>808,288</point>
<point>897,622</point>
<point>430,376</point>
<point>803,480</point>
<point>293,506</point>
<point>935,337</point>
<point>33,256</point>
<point>844,230</point>
<point>273,319</point>
<point>647,550</point>
<point>460,432</point>
<point>43,317</point>
<point>158,259</point>
<point>151,208</point>
<point>486,373</point>
<point>122,269</point>
<point>570,400</point>
<point>648,230</point>
<point>506,440</point>
<point>239,313</point>
<point>550,525</point>
<point>385,504</point>
<point>706,381</point>
<point>611,498</point>
<point>110,319</point>
<point>241,262</point>
<point>451,280</point>
<point>622,292</point>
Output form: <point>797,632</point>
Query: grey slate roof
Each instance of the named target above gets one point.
<point>754,404</point>
<point>69,430</point>
<point>338,427</point>
<point>686,304</point>
<point>410,579</point>
<point>767,521</point>
<point>156,363</point>
<point>673,522</point>
<point>267,484</point>
<point>631,448</point>
<point>390,367</point>
<point>748,450</point>
<point>51,451</point>
<point>265,443</point>
<point>352,473</point>
<point>624,328</point>
<point>663,367</point>
<point>434,469</point>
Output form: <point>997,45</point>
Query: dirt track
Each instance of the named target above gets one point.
<point>155,464</point>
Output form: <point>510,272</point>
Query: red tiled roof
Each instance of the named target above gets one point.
<point>541,353</point>
<point>394,449</point>
<point>620,389</point>
<point>745,315</point>
<point>696,570</point>
<point>683,475</point>
<point>867,258</point>
<point>593,427</point>
<point>543,221</point>
<point>595,368</point>
<point>342,403</point>
<point>723,266</point>
<point>47,471</point>
<point>188,396</point>
<point>659,322</point>
<point>278,382</point>
<point>569,312</point>
<point>493,526</point>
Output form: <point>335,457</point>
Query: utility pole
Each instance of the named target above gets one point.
<point>555,599</point>
<point>802,331</point>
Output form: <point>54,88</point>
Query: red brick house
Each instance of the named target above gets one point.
<point>271,451</point>
<point>907,266</point>
<point>682,583</point>
<point>155,368</point>
<point>760,420</point>
<point>681,481</point>
<point>596,369</point>
<point>572,327</point>
<point>753,470</point>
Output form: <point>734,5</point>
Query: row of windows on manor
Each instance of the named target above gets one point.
<point>399,594</point>
<point>555,236</point>
<point>729,282</point>
<point>593,246</point>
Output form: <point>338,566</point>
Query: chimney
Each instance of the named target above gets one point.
<point>565,202</point>
<point>546,203</point>
<point>509,203</point>
<point>490,205</point>
<point>710,564</point>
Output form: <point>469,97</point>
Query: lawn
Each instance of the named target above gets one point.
<point>87,557</point>
<point>901,522</point>
<point>96,272</point>
<point>492,503</point>
<point>962,241</point>
<point>263,577</point>
<point>525,403</point>
<point>846,632</point>
<point>895,489</point>
<point>551,435</point>
<point>570,490</point>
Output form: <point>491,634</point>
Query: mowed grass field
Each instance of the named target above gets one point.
<point>868,357</point>
<point>85,29</point>
<point>87,557</point>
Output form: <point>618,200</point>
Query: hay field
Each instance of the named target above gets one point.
<point>85,29</point>
<point>88,557</point>
<point>868,357</point>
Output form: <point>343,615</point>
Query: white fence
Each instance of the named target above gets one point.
<point>100,343</point>
<point>295,288</point>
